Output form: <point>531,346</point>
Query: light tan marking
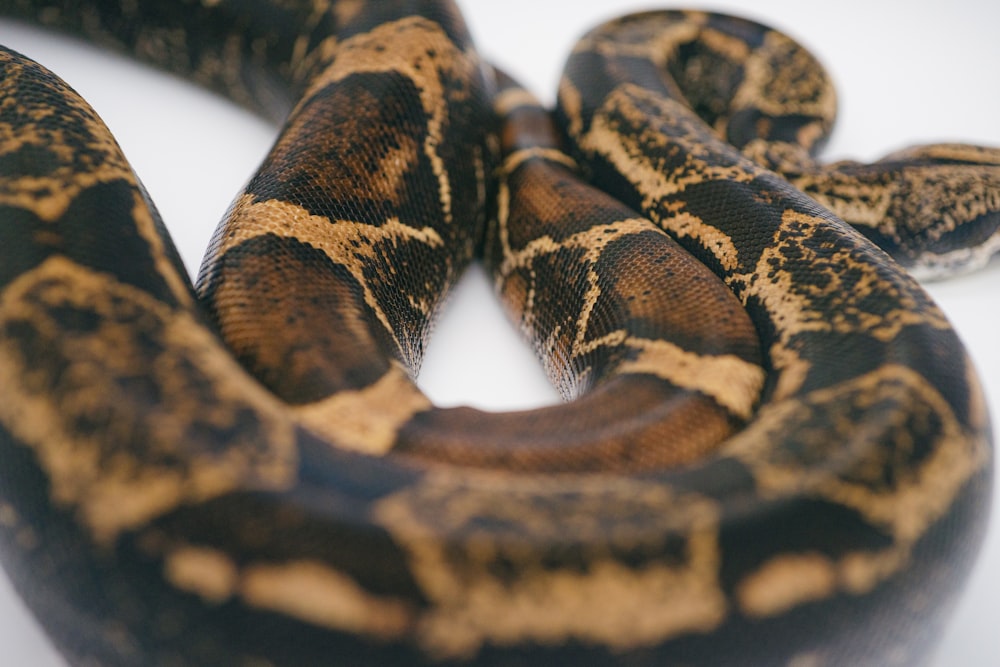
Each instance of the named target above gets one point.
<point>810,659</point>
<point>208,573</point>
<point>306,590</point>
<point>111,480</point>
<point>732,48</point>
<point>860,573</point>
<point>511,99</point>
<point>517,158</point>
<point>315,593</point>
<point>790,580</point>
<point>366,420</point>
<point>503,230</point>
<point>785,582</point>
<point>9,518</point>
<point>612,604</point>
<point>733,383</point>
<point>26,538</point>
<point>346,10</point>
<point>572,105</point>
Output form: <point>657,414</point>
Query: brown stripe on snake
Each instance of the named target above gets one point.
<point>162,505</point>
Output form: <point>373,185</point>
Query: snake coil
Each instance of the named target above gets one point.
<point>776,452</point>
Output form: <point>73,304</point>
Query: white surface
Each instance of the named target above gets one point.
<point>906,72</point>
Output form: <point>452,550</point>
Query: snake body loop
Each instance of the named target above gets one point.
<point>776,451</point>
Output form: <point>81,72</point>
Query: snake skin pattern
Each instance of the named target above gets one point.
<point>776,451</point>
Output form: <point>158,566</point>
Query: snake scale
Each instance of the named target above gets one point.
<point>776,451</point>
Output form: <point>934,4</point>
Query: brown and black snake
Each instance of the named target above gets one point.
<point>775,450</point>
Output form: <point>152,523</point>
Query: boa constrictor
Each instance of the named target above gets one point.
<point>777,452</point>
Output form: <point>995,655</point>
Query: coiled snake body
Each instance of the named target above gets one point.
<point>776,455</point>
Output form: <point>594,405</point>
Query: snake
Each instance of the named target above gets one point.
<point>774,448</point>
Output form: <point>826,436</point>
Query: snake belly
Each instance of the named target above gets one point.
<point>776,452</point>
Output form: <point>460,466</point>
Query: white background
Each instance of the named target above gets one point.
<point>907,72</point>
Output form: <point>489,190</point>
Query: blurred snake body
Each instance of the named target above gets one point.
<point>775,451</point>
